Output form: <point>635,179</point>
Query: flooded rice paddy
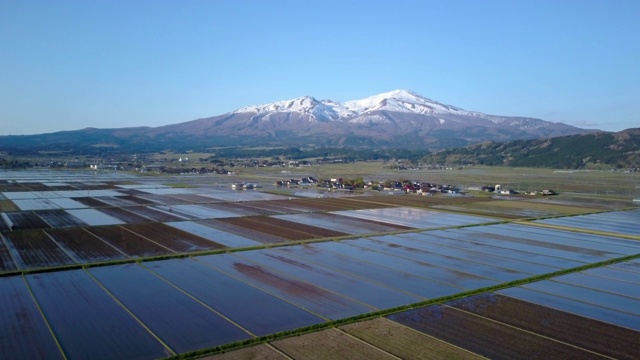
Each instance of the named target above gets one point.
<point>187,268</point>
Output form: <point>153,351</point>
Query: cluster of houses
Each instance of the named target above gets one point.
<point>182,170</point>
<point>305,181</point>
<point>406,186</point>
<point>244,186</point>
<point>498,189</point>
<point>421,188</point>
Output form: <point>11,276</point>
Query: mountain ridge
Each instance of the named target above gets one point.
<point>399,118</point>
<point>616,149</point>
<point>397,100</point>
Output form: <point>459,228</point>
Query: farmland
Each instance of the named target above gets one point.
<point>202,270</point>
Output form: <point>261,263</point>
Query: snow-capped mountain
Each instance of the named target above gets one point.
<point>396,101</point>
<point>398,118</point>
<point>363,110</point>
<point>319,110</point>
<point>395,118</point>
<point>402,101</point>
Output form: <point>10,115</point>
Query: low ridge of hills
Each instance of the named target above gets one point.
<point>617,150</point>
<point>399,119</point>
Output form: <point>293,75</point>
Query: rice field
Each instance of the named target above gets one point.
<point>204,268</point>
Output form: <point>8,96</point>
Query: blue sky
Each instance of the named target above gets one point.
<point>67,65</point>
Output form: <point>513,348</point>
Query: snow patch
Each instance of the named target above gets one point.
<point>369,119</point>
<point>304,105</point>
<point>328,110</point>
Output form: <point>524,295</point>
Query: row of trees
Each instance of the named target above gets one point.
<point>14,164</point>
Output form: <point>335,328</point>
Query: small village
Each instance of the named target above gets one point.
<point>394,187</point>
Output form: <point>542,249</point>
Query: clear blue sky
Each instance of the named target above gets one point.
<point>67,65</point>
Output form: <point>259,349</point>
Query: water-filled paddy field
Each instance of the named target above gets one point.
<point>181,270</point>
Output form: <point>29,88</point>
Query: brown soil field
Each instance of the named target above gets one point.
<point>405,342</point>
<point>236,208</point>
<point>314,231</point>
<point>6,261</point>
<point>550,207</point>
<point>285,229</point>
<point>154,215</point>
<point>131,192</point>
<point>600,337</point>
<point>338,204</point>
<point>37,250</point>
<point>13,187</point>
<point>259,226</point>
<point>329,344</point>
<point>258,352</point>
<point>244,232</point>
<point>59,218</point>
<point>135,200</point>
<point>84,245</point>
<point>116,201</point>
<point>264,207</point>
<point>175,239</point>
<point>62,188</point>
<point>128,242</point>
<point>85,186</point>
<point>485,337</point>
<point>284,206</point>
<point>91,202</point>
<point>125,215</point>
<point>184,215</point>
<point>161,199</point>
<point>126,200</point>
<point>145,198</point>
<point>256,208</point>
<point>478,210</point>
<point>415,200</point>
<point>7,206</point>
<point>36,186</point>
<point>193,198</point>
<point>16,188</point>
<point>515,209</point>
<point>26,220</point>
<point>120,182</point>
<point>596,203</point>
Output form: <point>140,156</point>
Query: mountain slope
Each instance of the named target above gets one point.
<point>621,150</point>
<point>398,118</point>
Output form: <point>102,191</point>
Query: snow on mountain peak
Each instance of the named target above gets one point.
<point>401,101</point>
<point>301,104</point>
<point>396,100</point>
<point>319,110</point>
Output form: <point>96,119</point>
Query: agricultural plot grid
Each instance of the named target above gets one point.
<point>189,271</point>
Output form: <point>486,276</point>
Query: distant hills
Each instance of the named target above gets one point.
<point>399,119</point>
<point>619,150</point>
